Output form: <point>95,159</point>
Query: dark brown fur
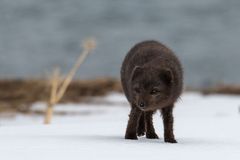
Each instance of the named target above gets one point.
<point>152,79</point>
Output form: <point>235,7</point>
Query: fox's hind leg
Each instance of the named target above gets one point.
<point>141,126</point>
<point>150,131</point>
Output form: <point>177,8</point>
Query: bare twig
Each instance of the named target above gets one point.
<point>58,89</point>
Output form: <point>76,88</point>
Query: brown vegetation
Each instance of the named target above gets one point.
<point>222,89</point>
<point>18,95</point>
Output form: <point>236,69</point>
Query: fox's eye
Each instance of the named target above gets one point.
<point>137,90</point>
<point>153,92</point>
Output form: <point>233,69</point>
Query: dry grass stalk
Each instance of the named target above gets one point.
<point>58,89</point>
<point>52,101</point>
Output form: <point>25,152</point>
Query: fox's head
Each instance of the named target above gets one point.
<point>151,87</point>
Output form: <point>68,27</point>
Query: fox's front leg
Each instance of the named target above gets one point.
<point>168,124</point>
<point>134,116</point>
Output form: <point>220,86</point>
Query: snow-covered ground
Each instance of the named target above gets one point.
<point>205,127</point>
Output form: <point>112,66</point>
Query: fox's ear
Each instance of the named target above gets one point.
<point>136,72</point>
<point>166,76</point>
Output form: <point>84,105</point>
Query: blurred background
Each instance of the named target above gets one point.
<point>37,35</point>
<point>91,114</point>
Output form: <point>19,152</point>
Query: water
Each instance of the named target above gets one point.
<point>37,35</point>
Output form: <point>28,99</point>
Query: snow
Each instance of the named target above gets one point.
<point>206,127</point>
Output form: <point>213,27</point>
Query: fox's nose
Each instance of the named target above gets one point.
<point>141,105</point>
